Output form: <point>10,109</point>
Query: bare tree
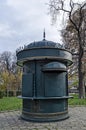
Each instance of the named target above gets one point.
<point>5,60</point>
<point>57,6</point>
<point>10,73</point>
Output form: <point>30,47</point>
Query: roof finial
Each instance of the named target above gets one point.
<point>44,34</point>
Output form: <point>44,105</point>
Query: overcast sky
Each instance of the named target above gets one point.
<point>23,21</point>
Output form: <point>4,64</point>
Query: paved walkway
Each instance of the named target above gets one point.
<point>77,121</point>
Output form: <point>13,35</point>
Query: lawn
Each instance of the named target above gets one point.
<point>10,103</point>
<point>13,103</point>
<point>75,101</point>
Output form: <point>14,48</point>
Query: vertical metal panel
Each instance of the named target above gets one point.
<point>55,84</point>
<point>27,85</point>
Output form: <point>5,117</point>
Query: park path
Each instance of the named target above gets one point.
<point>77,121</point>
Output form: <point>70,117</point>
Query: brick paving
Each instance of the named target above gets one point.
<point>12,121</point>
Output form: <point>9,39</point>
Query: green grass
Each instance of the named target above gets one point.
<point>10,103</point>
<point>76,101</point>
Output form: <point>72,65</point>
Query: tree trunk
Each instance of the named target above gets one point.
<point>81,77</point>
<point>84,89</point>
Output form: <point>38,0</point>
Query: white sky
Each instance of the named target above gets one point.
<point>23,21</point>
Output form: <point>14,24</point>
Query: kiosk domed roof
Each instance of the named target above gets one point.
<point>44,43</point>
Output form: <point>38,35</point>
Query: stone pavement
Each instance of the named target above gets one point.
<point>77,121</point>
